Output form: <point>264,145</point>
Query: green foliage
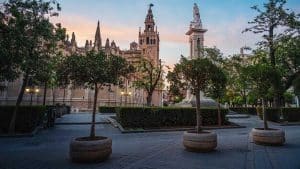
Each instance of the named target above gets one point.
<point>291,114</point>
<point>175,88</point>
<point>107,109</point>
<point>288,114</point>
<point>288,97</point>
<point>28,37</point>
<point>272,17</point>
<point>95,70</point>
<point>28,118</point>
<point>146,117</point>
<point>262,77</point>
<point>28,40</point>
<point>288,60</point>
<point>217,88</point>
<point>149,77</point>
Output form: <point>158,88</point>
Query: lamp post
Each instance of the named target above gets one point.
<point>31,90</point>
<point>125,94</point>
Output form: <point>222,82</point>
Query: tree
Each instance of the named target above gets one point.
<point>197,73</point>
<point>46,74</point>
<point>288,57</point>
<point>175,88</point>
<point>30,33</point>
<point>149,77</point>
<point>95,70</point>
<point>273,17</point>
<point>217,88</point>
<point>62,76</point>
<point>262,77</point>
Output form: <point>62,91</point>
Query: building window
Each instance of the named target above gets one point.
<point>147,40</point>
<point>153,41</point>
<point>198,43</point>
<point>141,41</point>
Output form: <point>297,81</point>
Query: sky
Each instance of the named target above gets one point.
<point>120,21</point>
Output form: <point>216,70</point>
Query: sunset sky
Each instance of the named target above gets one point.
<point>120,21</point>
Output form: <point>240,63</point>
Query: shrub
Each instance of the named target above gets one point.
<point>244,110</point>
<point>288,114</point>
<point>28,118</point>
<point>107,109</point>
<point>148,117</point>
<point>291,114</point>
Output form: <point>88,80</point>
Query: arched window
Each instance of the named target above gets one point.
<point>147,40</point>
<point>198,43</point>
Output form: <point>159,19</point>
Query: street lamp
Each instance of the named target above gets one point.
<point>31,90</point>
<point>125,94</point>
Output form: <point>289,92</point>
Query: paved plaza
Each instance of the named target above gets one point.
<point>158,150</point>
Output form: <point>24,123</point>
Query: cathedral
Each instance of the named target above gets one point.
<point>147,46</point>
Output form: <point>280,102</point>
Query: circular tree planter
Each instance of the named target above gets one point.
<point>87,149</point>
<point>268,137</point>
<point>199,142</point>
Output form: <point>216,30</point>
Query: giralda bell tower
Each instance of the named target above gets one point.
<point>149,39</point>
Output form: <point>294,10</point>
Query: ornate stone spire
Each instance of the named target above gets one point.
<point>107,43</point>
<point>149,21</point>
<point>113,44</point>
<point>87,45</point>
<point>97,42</point>
<point>73,40</point>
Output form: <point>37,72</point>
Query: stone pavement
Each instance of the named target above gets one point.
<point>78,118</point>
<point>162,150</point>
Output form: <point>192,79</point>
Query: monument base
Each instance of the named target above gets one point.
<point>191,102</point>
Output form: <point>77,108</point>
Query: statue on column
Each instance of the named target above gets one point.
<point>196,23</point>
<point>196,13</point>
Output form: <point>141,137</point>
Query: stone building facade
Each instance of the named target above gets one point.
<point>81,98</point>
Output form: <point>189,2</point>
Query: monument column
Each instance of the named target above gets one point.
<point>196,34</point>
<point>196,40</point>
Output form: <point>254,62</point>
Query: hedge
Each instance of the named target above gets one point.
<point>27,119</point>
<point>107,109</point>
<point>148,117</point>
<point>291,114</point>
<point>244,110</point>
<point>288,114</point>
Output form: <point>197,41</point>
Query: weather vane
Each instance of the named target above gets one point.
<point>151,5</point>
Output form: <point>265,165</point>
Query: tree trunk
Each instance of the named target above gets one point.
<point>271,46</point>
<point>92,133</point>
<point>198,113</point>
<point>149,99</point>
<point>264,115</point>
<point>219,113</point>
<point>53,96</point>
<point>45,93</point>
<point>64,96</point>
<point>12,124</point>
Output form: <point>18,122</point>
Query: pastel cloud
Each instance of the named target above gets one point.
<point>85,28</point>
<point>226,36</point>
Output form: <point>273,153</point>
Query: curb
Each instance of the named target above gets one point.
<point>118,125</point>
<point>33,133</point>
<point>238,116</point>
<point>81,123</point>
